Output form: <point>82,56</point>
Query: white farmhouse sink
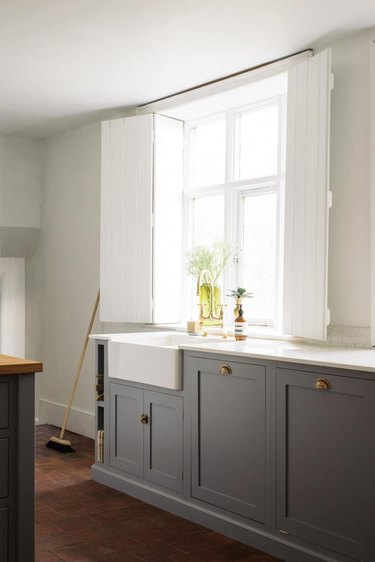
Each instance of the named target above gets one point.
<point>150,357</point>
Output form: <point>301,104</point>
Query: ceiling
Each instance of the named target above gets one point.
<point>67,62</point>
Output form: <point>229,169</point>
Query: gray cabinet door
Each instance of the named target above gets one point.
<point>163,440</point>
<point>4,401</point>
<point>4,534</point>
<point>4,463</point>
<point>325,461</point>
<point>228,436</point>
<point>126,429</point>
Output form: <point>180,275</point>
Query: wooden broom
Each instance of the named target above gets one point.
<point>59,443</point>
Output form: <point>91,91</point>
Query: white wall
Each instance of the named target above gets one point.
<point>67,264</point>
<point>349,251</point>
<point>12,306</point>
<point>20,182</point>
<point>20,195</point>
<point>20,222</point>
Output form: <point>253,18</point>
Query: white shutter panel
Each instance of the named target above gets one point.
<point>307,199</point>
<point>126,220</point>
<point>168,185</point>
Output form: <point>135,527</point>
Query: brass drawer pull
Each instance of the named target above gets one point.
<point>144,418</point>
<point>225,370</point>
<point>322,384</point>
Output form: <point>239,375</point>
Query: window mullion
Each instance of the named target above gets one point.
<point>230,208</point>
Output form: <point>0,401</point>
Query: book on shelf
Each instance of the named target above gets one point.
<point>100,445</point>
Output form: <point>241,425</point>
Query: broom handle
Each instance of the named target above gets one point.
<point>79,366</point>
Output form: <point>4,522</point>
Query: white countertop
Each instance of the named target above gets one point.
<point>323,355</point>
<point>357,359</point>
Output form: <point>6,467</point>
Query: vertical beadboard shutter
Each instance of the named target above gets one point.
<point>126,220</point>
<point>307,199</point>
<point>168,186</point>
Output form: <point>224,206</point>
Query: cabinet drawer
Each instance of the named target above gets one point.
<point>227,368</point>
<point>4,472</point>
<point>4,534</point>
<point>4,400</point>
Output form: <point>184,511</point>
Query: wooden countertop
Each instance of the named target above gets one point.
<point>14,365</point>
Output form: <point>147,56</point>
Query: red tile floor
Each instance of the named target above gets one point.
<point>78,519</point>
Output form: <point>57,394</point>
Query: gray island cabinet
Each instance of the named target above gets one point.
<point>278,455</point>
<point>17,452</point>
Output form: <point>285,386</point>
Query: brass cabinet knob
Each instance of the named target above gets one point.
<point>144,418</point>
<point>225,370</point>
<point>322,384</point>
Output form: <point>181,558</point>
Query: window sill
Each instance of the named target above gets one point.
<point>256,332</point>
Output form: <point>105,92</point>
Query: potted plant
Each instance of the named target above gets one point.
<point>207,263</point>
<point>239,294</point>
<point>240,323</point>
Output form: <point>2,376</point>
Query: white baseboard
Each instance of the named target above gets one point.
<point>80,421</point>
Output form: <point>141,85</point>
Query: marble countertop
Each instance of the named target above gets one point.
<point>288,351</point>
<point>359,359</point>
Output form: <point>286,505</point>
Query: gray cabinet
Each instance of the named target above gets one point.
<point>278,455</point>
<point>4,464</point>
<point>163,440</point>
<point>3,534</point>
<point>126,430</point>
<point>146,434</point>
<point>228,440</point>
<point>17,422</point>
<point>325,460</point>
<point>4,405</point>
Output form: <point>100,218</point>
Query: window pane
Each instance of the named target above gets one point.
<point>257,143</point>
<point>208,217</point>
<point>259,255</point>
<point>209,154</point>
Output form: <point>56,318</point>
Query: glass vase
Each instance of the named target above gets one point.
<point>210,306</point>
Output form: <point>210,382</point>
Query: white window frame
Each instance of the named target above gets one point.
<point>234,191</point>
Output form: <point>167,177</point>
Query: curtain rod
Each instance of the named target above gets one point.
<point>216,80</point>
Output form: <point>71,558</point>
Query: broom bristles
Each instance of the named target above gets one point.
<point>61,445</point>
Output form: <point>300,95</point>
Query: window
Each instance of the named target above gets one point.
<point>236,187</point>
<point>234,176</point>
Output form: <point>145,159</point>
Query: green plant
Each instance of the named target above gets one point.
<point>208,262</point>
<point>239,293</point>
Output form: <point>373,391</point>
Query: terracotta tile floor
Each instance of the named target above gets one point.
<point>78,519</point>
